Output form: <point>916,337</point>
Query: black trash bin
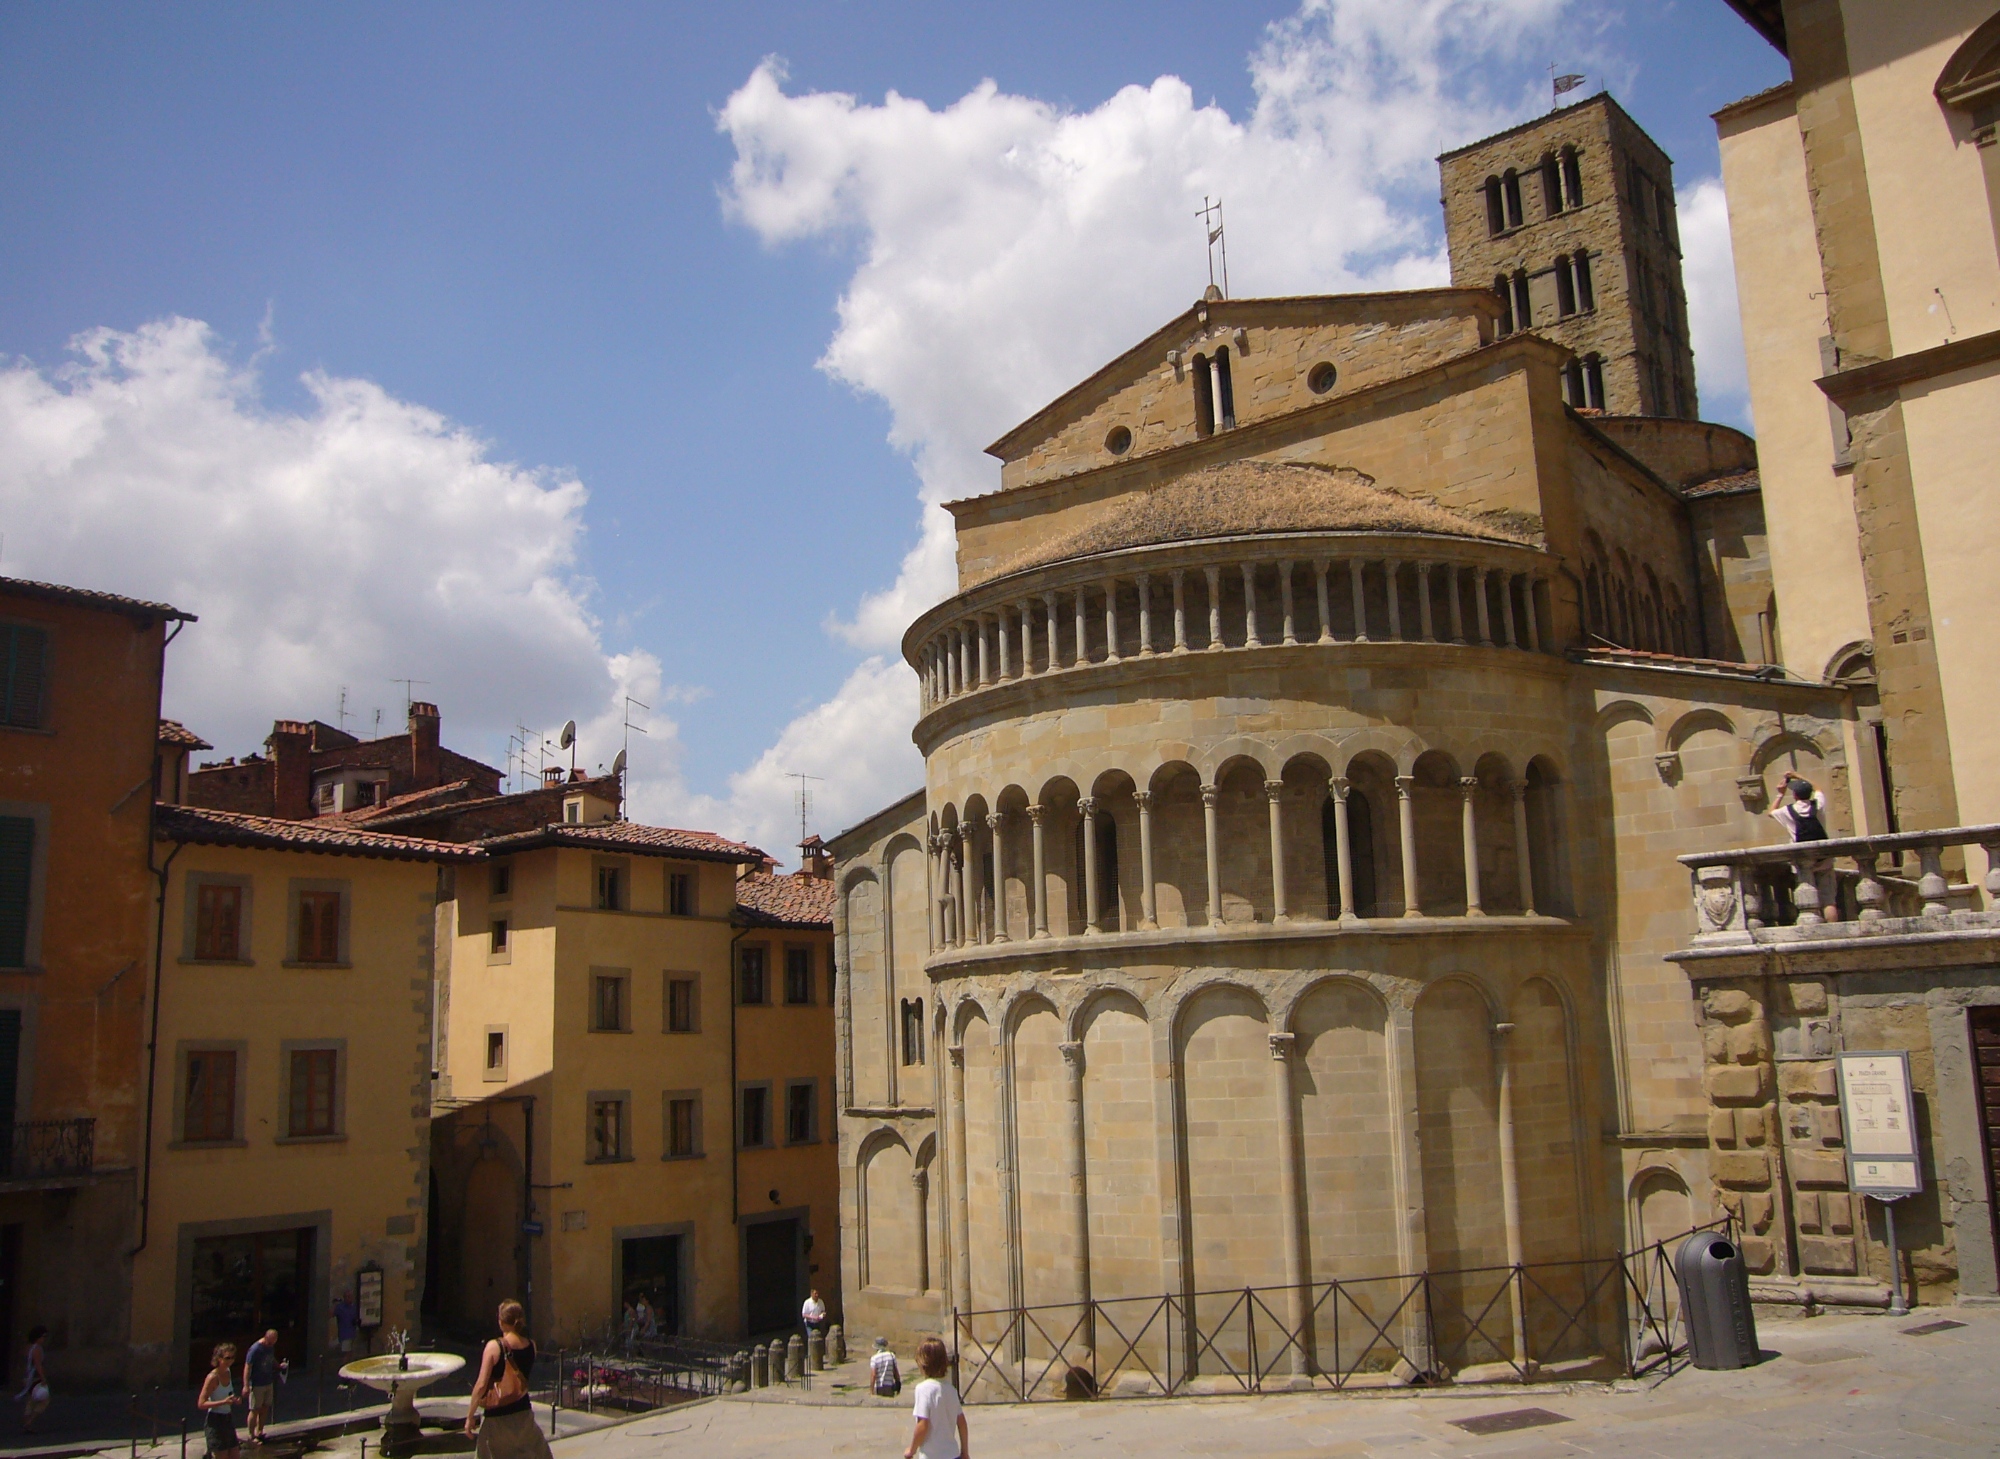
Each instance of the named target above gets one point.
<point>1715,1302</point>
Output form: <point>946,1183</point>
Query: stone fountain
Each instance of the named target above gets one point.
<point>400,1374</point>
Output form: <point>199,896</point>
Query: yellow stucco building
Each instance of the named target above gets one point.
<point>291,1083</point>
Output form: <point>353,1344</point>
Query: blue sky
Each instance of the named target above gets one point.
<point>552,353</point>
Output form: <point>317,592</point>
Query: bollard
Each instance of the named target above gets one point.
<point>795,1359</point>
<point>836,1345</point>
<point>760,1366</point>
<point>816,1351</point>
<point>184,1437</point>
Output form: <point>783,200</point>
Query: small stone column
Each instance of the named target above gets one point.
<point>1050,620</point>
<point>760,1366</point>
<point>1026,608</point>
<point>1507,608</point>
<point>1180,612</point>
<point>1082,627</point>
<point>1298,1303</point>
<point>968,911</point>
<point>1392,572</point>
<point>1342,851</point>
<point>965,658</point>
<point>1144,800</point>
<point>1406,824</point>
<point>1092,921</point>
<point>1468,787</point>
<point>979,627</point>
<point>1076,1161</point>
<point>1479,576</point>
<point>1534,639</point>
<point>836,1345</point>
<point>1111,620</point>
<point>920,1187</point>
<point>1424,626</point>
<point>816,1350</point>
<point>951,684</point>
<point>1522,865</point>
<point>795,1359</point>
<point>1005,641</point>
<point>1250,639</point>
<point>1214,575</point>
<point>1209,837</point>
<point>1285,600</point>
<point>1319,587</point>
<point>996,824</point>
<point>1274,793</point>
<point>1510,1188</point>
<point>1457,615</point>
<point>1144,582</point>
<point>960,1197</point>
<point>1360,600</point>
<point>1035,813</point>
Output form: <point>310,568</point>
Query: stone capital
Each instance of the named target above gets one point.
<point>956,1053</point>
<point>1468,785</point>
<point>1210,794</point>
<point>1340,785</point>
<point>1086,805</point>
<point>1072,1053</point>
<point>1405,786</point>
<point>1143,799</point>
<point>995,821</point>
<point>1282,1045</point>
<point>1035,813</point>
<point>1275,789</point>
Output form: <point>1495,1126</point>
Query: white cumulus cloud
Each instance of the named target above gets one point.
<point>1715,328</point>
<point>1006,247</point>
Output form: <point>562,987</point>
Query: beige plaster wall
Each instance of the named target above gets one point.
<point>1808,507</point>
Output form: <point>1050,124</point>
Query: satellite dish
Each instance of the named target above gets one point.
<point>618,765</point>
<point>568,737</point>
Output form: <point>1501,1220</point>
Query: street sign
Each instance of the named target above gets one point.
<point>1877,1116</point>
<point>532,1228</point>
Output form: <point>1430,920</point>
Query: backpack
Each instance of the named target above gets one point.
<point>1806,824</point>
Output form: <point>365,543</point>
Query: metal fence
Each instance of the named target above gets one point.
<point>636,1374</point>
<point>47,1149</point>
<point>1599,1318</point>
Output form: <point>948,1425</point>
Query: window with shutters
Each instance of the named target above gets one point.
<point>208,1105</point>
<point>607,1132</point>
<point>798,975</point>
<point>17,887</point>
<point>218,922</point>
<point>683,1124</point>
<point>683,1008</point>
<point>10,1063</point>
<point>24,687</point>
<point>751,979</point>
<point>801,1111</point>
<point>312,1112</point>
<point>680,893</point>
<point>610,1001</point>
<point>318,928</point>
<point>753,1129</point>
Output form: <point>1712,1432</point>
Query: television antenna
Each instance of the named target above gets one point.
<point>630,705</point>
<point>409,692</point>
<point>1211,218</point>
<point>805,797</point>
<point>341,714</point>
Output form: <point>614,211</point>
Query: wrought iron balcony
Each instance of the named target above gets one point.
<point>47,1151</point>
<point>1856,886</point>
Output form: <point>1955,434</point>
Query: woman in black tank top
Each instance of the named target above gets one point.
<point>507,1429</point>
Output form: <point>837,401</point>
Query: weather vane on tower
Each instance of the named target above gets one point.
<point>1211,217</point>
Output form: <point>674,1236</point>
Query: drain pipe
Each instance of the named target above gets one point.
<point>159,952</point>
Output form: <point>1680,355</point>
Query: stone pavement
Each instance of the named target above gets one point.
<point>1831,1387</point>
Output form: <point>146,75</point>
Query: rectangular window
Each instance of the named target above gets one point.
<point>502,885</point>
<point>209,1106</point>
<point>752,983</point>
<point>798,975</point>
<point>319,927</point>
<point>311,1109</point>
<point>683,1125</point>
<point>26,673</point>
<point>607,1128</point>
<point>913,1031</point>
<point>683,1012</point>
<point>496,1051</point>
<point>218,922</point>
<point>609,1005</point>
<point>801,1112</point>
<point>755,1130</point>
<point>680,893</point>
<point>499,935</point>
<point>17,881</point>
<point>610,889</point>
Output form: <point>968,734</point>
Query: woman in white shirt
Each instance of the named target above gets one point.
<point>940,1429</point>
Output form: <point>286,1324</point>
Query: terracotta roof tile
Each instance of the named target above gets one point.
<point>204,827</point>
<point>627,836</point>
<point>173,732</point>
<point>1725,485</point>
<point>1645,658</point>
<point>765,899</point>
<point>91,598</point>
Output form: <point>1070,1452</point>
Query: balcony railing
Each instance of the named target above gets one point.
<point>1853,886</point>
<point>43,1150</point>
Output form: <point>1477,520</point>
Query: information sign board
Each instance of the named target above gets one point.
<point>1876,1113</point>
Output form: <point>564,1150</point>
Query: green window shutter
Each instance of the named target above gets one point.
<point>10,1065</point>
<point>17,864</point>
<point>26,678</point>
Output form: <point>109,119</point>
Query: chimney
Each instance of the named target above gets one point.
<point>815,860</point>
<point>290,744</point>
<point>425,770</point>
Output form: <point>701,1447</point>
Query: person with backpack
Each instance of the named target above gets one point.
<point>1800,809</point>
<point>884,1377</point>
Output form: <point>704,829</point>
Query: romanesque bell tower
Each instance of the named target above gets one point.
<point>1570,220</point>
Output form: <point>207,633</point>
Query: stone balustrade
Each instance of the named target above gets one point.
<point>1855,886</point>
<point>1240,595</point>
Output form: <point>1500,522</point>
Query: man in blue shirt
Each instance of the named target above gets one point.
<point>260,1380</point>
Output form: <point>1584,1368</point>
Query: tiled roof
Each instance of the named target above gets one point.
<point>1724,485</point>
<point>204,827</point>
<point>628,836</point>
<point>795,900</point>
<point>173,732</point>
<point>415,802</point>
<point>1646,659</point>
<point>91,598</point>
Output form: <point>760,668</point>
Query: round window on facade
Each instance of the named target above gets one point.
<point>1119,441</point>
<point>1320,379</point>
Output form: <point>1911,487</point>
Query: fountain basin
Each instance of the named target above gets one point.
<point>389,1373</point>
